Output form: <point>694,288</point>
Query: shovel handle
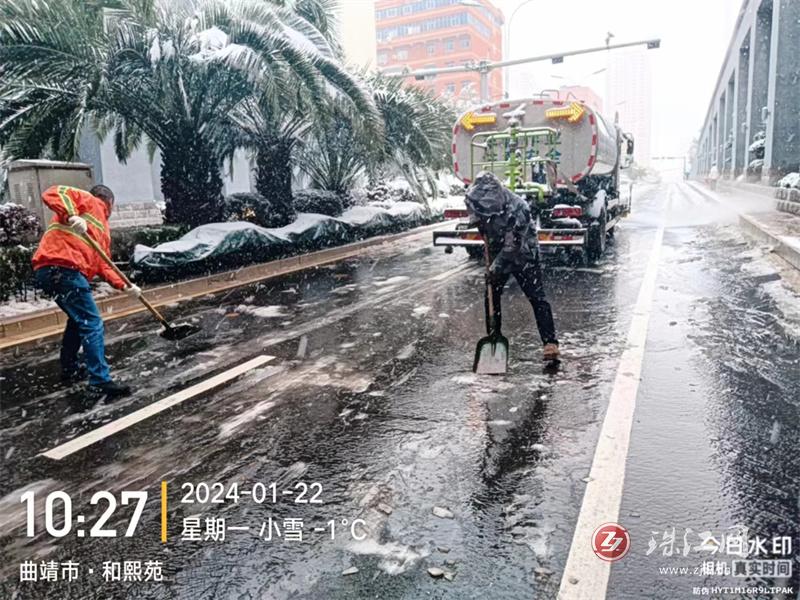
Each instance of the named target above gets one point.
<point>489,286</point>
<point>115,268</point>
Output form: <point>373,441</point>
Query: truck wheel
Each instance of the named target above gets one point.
<point>596,242</point>
<point>474,251</point>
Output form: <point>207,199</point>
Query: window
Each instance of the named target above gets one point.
<point>383,58</point>
<point>464,42</point>
<point>402,54</point>
<point>450,88</point>
<point>449,45</point>
<point>431,48</point>
<point>466,85</point>
<point>443,22</point>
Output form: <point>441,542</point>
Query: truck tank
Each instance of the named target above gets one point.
<point>585,143</point>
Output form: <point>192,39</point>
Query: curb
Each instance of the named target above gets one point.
<point>789,206</point>
<point>31,328</point>
<point>753,227</point>
<point>786,199</point>
<point>786,251</point>
<point>750,188</point>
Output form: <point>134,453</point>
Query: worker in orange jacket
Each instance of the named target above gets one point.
<point>64,264</point>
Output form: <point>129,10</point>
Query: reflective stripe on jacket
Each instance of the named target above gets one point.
<point>60,246</point>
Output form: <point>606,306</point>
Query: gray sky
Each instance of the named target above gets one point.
<point>694,37</point>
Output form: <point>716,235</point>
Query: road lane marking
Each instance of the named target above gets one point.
<point>163,512</point>
<point>585,576</point>
<point>112,428</point>
<point>446,274</point>
<point>135,417</point>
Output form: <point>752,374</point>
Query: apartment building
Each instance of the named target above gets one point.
<point>426,34</point>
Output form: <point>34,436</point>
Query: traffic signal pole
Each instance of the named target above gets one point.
<point>485,67</point>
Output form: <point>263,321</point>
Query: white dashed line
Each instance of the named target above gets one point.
<point>114,427</point>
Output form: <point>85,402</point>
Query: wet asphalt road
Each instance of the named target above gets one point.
<point>371,395</point>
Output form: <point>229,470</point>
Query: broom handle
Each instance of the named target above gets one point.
<point>124,278</point>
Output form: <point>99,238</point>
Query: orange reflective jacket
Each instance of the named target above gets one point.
<point>62,247</point>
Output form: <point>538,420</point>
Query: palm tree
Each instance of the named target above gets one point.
<point>292,96</point>
<point>140,73</point>
<point>415,142</point>
<point>185,77</point>
<point>417,132</point>
<point>338,153</point>
<point>50,76</point>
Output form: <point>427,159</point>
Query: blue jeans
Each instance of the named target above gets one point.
<point>72,293</point>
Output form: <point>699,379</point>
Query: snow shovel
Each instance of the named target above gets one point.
<point>171,332</point>
<point>491,353</point>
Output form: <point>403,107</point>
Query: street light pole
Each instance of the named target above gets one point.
<point>484,67</point>
<point>507,44</point>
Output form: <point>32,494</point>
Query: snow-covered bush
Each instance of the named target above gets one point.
<point>457,189</point>
<point>16,273</point>
<point>17,225</point>
<point>250,207</point>
<point>756,165</point>
<point>404,195</point>
<point>123,241</point>
<point>379,192</point>
<point>792,180</point>
<point>758,147</point>
<point>321,202</point>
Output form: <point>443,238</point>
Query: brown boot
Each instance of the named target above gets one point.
<point>551,352</point>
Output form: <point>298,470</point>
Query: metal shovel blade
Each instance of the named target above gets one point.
<point>178,332</point>
<point>491,355</point>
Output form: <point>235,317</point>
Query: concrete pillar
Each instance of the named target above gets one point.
<point>730,124</point>
<point>760,47</point>
<point>783,127</point>
<point>740,132</point>
<point>721,133</point>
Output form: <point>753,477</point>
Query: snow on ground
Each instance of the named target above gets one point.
<point>15,308</point>
<point>788,302</point>
<point>785,297</point>
<point>265,312</point>
<point>421,311</point>
<point>392,280</point>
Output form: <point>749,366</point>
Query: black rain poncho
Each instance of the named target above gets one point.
<point>505,220</point>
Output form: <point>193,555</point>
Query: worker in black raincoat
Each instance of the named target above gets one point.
<point>504,220</point>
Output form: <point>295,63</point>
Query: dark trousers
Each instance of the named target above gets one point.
<point>530,281</point>
<point>72,293</point>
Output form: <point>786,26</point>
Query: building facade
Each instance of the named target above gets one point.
<point>426,34</point>
<point>752,126</point>
<point>629,94</point>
